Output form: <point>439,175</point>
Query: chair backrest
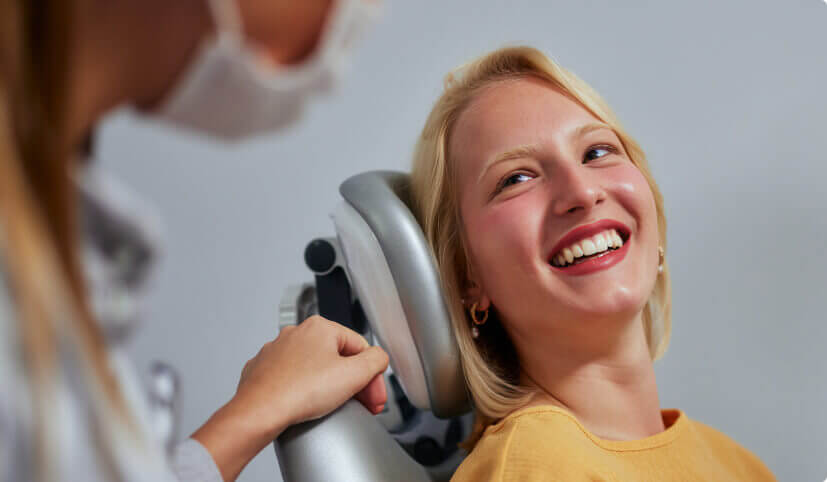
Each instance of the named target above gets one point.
<point>393,274</point>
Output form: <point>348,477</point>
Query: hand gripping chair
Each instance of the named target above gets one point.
<point>378,277</point>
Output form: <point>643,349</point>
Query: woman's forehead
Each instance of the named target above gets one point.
<point>512,113</point>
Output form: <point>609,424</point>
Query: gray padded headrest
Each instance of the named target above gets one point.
<point>382,198</point>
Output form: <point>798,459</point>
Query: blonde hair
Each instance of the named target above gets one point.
<point>39,228</point>
<point>489,363</point>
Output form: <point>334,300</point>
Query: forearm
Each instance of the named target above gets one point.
<point>234,435</point>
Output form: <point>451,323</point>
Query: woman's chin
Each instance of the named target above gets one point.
<point>604,302</point>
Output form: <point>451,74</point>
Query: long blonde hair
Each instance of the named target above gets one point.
<point>39,219</point>
<point>489,363</point>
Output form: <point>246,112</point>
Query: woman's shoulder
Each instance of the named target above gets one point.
<point>549,443</point>
<point>737,457</point>
<point>525,445</point>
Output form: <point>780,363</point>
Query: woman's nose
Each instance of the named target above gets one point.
<point>574,188</point>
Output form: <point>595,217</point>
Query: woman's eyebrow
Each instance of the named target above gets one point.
<point>584,129</point>
<point>532,150</point>
<point>516,153</point>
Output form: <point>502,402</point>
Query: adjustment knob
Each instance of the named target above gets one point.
<point>320,255</point>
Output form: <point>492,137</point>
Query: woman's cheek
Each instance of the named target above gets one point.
<point>635,195</point>
<point>631,184</point>
<point>508,235</point>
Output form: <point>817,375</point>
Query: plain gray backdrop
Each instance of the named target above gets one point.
<point>726,97</point>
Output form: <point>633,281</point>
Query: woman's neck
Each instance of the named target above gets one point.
<point>611,391</point>
<point>128,52</point>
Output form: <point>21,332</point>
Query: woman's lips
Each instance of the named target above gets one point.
<point>596,263</point>
<point>588,230</point>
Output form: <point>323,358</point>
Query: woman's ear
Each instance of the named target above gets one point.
<point>475,294</point>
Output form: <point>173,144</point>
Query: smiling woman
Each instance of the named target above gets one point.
<point>549,233</point>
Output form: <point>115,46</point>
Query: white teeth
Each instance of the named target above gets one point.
<point>617,238</point>
<point>600,243</point>
<point>588,247</point>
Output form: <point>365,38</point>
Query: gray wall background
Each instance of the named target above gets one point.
<point>728,99</point>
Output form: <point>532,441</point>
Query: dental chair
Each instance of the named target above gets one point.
<point>378,277</point>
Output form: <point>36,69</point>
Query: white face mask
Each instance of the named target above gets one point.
<point>231,93</point>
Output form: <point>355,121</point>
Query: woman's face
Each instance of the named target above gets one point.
<point>533,169</point>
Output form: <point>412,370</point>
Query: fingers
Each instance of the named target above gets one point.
<point>368,384</point>
<point>374,395</point>
<point>350,342</point>
<point>374,360</point>
<point>361,368</point>
<point>322,330</point>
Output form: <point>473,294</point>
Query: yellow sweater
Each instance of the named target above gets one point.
<point>547,443</point>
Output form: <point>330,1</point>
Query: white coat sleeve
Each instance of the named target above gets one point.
<point>191,462</point>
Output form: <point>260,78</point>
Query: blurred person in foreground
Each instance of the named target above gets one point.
<point>72,253</point>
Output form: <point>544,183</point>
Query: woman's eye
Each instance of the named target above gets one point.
<point>597,152</point>
<point>515,178</point>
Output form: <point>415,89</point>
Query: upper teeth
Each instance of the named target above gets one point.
<point>588,246</point>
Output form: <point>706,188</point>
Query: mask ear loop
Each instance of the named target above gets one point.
<point>227,17</point>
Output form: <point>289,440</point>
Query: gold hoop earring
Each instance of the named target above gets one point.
<point>477,321</point>
<point>660,259</point>
<point>475,332</point>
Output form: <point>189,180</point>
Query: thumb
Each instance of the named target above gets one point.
<point>361,368</point>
